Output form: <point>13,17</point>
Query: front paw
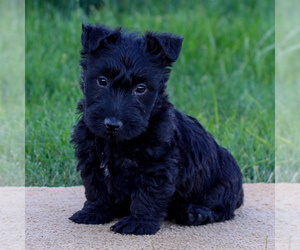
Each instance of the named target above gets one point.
<point>83,217</point>
<point>130,225</point>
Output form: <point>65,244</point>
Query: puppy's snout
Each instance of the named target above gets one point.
<point>112,124</point>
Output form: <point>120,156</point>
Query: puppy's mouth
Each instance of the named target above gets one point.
<point>112,137</point>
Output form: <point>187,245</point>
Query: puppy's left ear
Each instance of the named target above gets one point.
<point>95,37</point>
<point>167,46</point>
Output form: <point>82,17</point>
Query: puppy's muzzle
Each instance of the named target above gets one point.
<point>113,124</point>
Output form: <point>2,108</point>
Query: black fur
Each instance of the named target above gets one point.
<point>140,157</point>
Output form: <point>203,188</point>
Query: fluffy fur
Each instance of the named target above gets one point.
<point>140,158</point>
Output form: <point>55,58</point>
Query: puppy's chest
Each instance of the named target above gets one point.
<point>122,165</point>
<point>112,166</point>
<point>120,169</point>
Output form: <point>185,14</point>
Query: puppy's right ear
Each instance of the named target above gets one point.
<point>93,37</point>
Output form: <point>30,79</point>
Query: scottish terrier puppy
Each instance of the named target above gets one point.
<point>140,158</point>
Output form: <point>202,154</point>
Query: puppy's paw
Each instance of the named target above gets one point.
<point>196,215</point>
<point>130,225</point>
<point>83,217</point>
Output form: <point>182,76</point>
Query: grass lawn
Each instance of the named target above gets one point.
<point>224,77</point>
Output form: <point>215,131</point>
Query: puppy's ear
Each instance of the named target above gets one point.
<point>93,37</point>
<point>167,46</point>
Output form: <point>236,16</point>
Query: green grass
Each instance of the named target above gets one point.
<point>224,77</point>
<point>12,93</point>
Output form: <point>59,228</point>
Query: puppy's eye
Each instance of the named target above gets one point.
<point>140,89</point>
<point>102,81</point>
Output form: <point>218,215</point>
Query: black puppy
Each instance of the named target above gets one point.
<point>139,157</point>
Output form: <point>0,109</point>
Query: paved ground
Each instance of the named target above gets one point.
<point>48,227</point>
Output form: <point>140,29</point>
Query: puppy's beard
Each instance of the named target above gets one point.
<point>111,137</point>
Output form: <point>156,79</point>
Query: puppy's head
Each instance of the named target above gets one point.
<point>123,78</point>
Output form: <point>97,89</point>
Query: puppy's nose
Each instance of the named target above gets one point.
<point>112,124</point>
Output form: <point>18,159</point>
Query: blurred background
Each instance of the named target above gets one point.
<point>12,92</point>
<point>224,76</point>
<point>287,91</point>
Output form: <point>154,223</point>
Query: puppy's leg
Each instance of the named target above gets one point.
<point>148,204</point>
<point>97,208</point>
<point>218,204</point>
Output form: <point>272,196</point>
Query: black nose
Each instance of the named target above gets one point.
<point>112,124</point>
